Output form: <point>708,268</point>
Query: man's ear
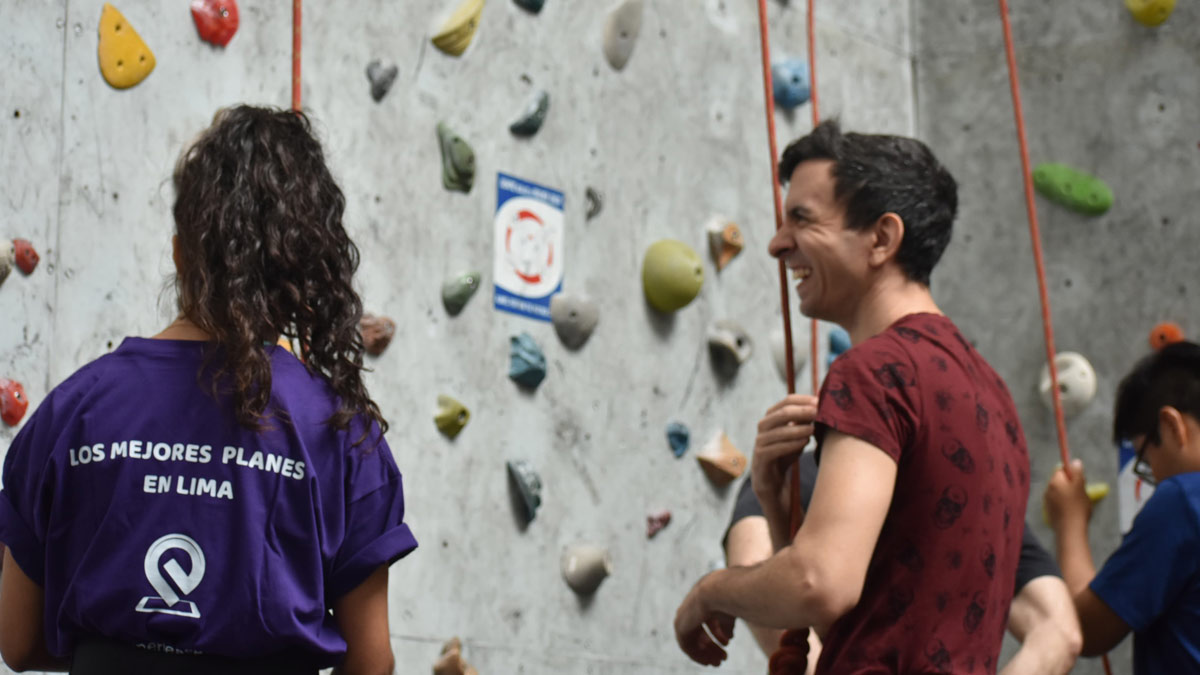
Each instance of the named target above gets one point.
<point>1172,427</point>
<point>885,245</point>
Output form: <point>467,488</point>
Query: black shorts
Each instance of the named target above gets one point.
<point>105,657</point>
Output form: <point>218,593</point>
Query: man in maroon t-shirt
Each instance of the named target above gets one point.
<point>905,559</point>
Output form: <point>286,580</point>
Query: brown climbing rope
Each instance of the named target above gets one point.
<point>792,655</point>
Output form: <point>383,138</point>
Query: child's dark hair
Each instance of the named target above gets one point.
<point>263,253</point>
<point>1168,377</point>
<point>877,174</point>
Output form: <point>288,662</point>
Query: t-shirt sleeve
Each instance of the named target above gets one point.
<point>375,532</point>
<point>1035,561</point>
<point>28,491</point>
<point>1155,561</point>
<point>871,393</point>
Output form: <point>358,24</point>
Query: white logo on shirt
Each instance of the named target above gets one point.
<point>186,582</point>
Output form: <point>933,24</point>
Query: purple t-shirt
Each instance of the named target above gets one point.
<point>149,516</point>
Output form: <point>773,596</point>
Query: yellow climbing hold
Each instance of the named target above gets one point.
<point>124,59</point>
<point>456,34</point>
<point>1150,12</point>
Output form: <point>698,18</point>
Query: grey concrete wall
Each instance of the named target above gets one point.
<point>1109,96</point>
<point>677,136</point>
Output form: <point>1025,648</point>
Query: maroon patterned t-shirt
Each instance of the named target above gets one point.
<point>939,584</point>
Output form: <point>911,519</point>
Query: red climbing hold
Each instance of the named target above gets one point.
<point>12,402</point>
<point>216,20</point>
<point>1166,333</point>
<point>27,258</point>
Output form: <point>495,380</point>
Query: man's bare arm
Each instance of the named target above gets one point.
<point>820,577</point>
<point>1042,618</point>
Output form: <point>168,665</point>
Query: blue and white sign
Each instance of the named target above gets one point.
<point>529,246</point>
<point>1132,492</point>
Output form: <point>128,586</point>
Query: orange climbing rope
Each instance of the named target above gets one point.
<point>792,655</point>
<point>1036,238</point>
<point>296,54</point>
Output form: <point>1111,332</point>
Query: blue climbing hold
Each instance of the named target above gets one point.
<point>528,365</point>
<point>678,437</point>
<point>791,83</point>
<point>839,341</point>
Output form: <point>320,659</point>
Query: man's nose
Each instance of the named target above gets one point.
<point>780,245</point>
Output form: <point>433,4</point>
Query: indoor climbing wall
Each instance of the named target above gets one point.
<point>1102,94</point>
<point>667,142</point>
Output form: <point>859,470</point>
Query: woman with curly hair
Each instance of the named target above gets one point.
<point>200,500</point>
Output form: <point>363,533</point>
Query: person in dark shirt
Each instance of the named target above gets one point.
<point>1042,616</point>
<point>905,559</point>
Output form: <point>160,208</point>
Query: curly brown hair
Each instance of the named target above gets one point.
<point>263,253</point>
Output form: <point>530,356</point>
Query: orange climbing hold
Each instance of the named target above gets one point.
<point>1166,333</point>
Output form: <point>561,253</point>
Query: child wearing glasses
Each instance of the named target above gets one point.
<point>1151,584</point>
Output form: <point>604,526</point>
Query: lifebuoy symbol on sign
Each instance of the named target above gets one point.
<point>528,246</point>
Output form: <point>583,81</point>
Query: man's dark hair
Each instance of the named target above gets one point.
<point>876,174</point>
<point>1170,376</point>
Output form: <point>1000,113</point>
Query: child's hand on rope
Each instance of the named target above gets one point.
<point>1066,498</point>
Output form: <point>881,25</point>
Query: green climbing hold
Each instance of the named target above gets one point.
<point>458,160</point>
<point>1072,188</point>
<point>458,289</point>
<point>671,275</point>
<point>451,416</point>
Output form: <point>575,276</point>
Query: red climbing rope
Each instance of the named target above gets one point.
<point>816,119</point>
<point>792,655</point>
<point>1036,238</point>
<point>296,54</point>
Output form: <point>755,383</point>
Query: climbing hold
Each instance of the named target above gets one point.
<point>27,258</point>
<point>721,459</point>
<point>1076,383</point>
<point>124,59</point>
<point>216,20</point>
<point>655,522</point>
<point>729,345</point>
<point>790,83</point>
<point>534,6</point>
<point>574,318</point>
<point>13,402</point>
<point>458,160</point>
<point>8,258</point>
<point>621,31</point>
<point>1150,12</point>
<point>456,34</point>
<point>534,114</point>
<point>1072,188</point>
<point>724,240</point>
<point>679,437</point>
<point>584,566</point>
<point>671,275</point>
<point>458,289</point>
<point>451,661</point>
<point>839,341</point>
<point>286,343</point>
<point>377,333</point>
<point>1163,334</point>
<point>595,202</point>
<point>451,416</point>
<point>381,78</point>
<point>527,366</point>
<point>528,485</point>
<point>779,352</point>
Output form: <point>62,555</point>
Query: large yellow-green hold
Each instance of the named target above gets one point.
<point>1150,12</point>
<point>1074,189</point>
<point>671,275</point>
<point>451,416</point>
